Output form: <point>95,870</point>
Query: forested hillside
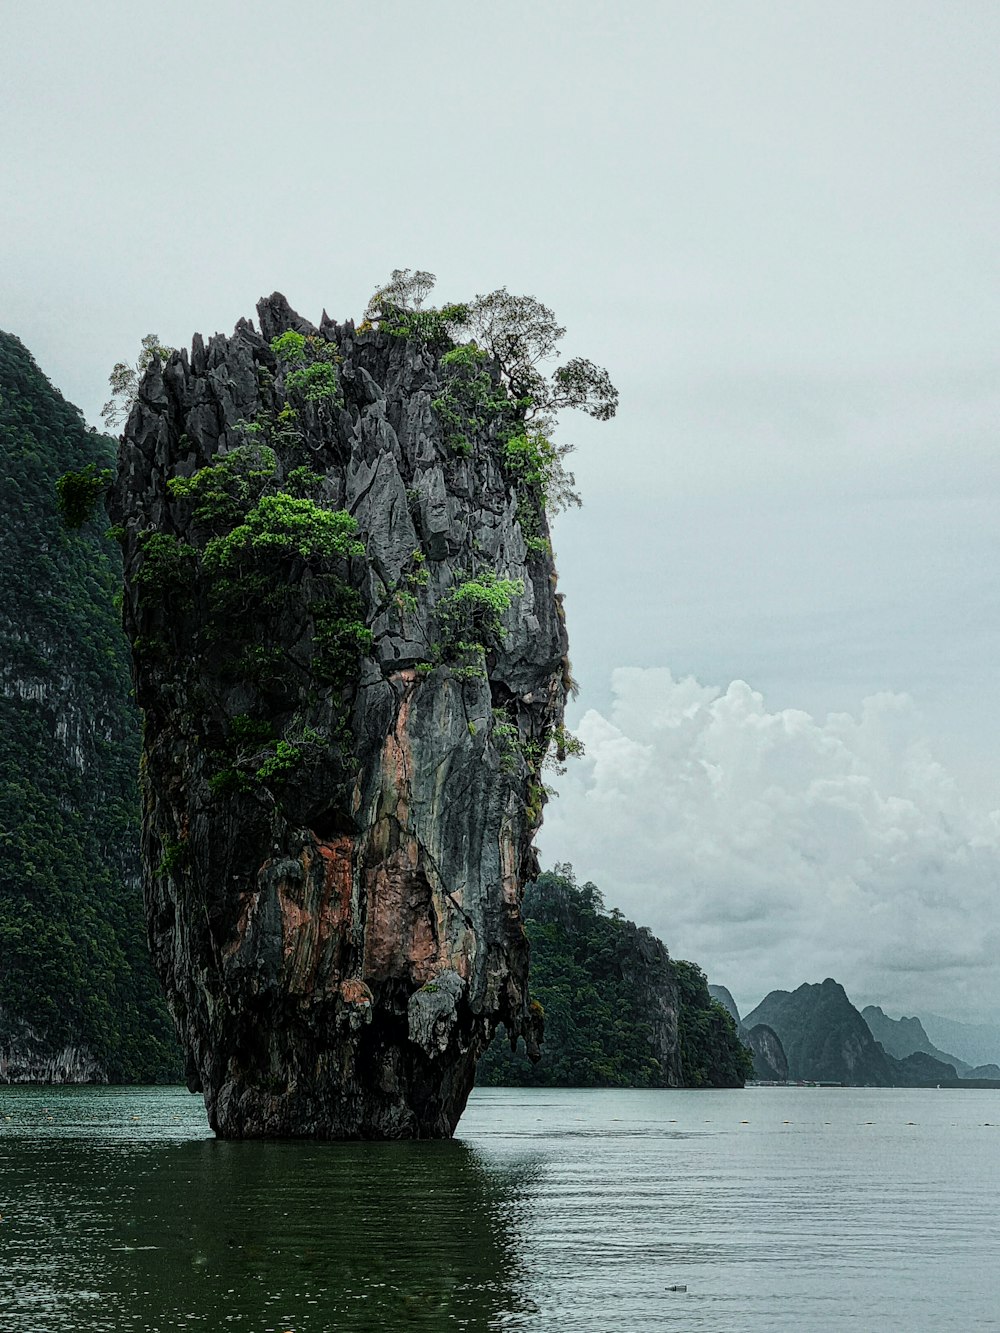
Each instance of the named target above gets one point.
<point>77,995</point>
<point>619,1012</point>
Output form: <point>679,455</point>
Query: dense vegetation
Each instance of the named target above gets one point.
<point>712,1056</point>
<point>606,986</point>
<point>73,957</point>
<point>229,590</point>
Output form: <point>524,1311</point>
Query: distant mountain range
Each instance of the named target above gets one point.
<point>978,1043</point>
<point>818,1035</point>
<point>903,1037</point>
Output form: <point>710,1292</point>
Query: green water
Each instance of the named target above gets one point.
<point>801,1209</point>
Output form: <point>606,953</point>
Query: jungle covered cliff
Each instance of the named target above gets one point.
<point>78,998</point>
<point>619,1011</point>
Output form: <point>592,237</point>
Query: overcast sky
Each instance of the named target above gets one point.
<point>776,224</point>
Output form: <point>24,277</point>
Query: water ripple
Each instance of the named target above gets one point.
<point>804,1209</point>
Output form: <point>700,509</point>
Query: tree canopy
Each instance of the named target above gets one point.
<point>521,336</point>
<point>125,380</point>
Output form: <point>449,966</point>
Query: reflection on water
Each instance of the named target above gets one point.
<point>131,1230</point>
<point>805,1209</point>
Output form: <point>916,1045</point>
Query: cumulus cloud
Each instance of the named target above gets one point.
<point>775,847</point>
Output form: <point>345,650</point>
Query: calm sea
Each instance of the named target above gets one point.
<point>798,1208</point>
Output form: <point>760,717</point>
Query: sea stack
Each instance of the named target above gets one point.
<point>351,660</point>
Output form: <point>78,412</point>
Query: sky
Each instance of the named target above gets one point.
<point>775,224</point>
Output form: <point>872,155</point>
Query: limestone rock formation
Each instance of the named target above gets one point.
<point>827,1039</point>
<point>770,1064</point>
<point>30,1056</point>
<point>824,1037</point>
<point>351,660</point>
<point>725,998</point>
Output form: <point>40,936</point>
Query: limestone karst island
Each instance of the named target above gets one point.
<point>350,660</point>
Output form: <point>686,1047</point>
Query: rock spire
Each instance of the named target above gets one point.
<point>351,660</point>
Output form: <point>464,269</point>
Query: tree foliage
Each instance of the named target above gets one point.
<point>712,1055</point>
<point>310,369</point>
<point>125,380</point>
<point>471,616</point>
<point>79,493</point>
<point>476,606</point>
<point>537,463</point>
<point>519,336</point>
<point>288,527</point>
<point>519,333</point>
<point>469,401</point>
<point>405,290</point>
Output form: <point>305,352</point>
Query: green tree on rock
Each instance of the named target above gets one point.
<point>125,380</point>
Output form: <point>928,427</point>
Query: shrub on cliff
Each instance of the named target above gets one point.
<point>78,494</point>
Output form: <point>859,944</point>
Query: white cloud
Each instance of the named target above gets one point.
<point>775,848</point>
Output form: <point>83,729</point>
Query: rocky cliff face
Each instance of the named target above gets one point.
<point>769,1061</point>
<point>30,1056</point>
<point>351,659</point>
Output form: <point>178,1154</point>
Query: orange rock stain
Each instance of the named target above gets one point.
<point>316,918</point>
